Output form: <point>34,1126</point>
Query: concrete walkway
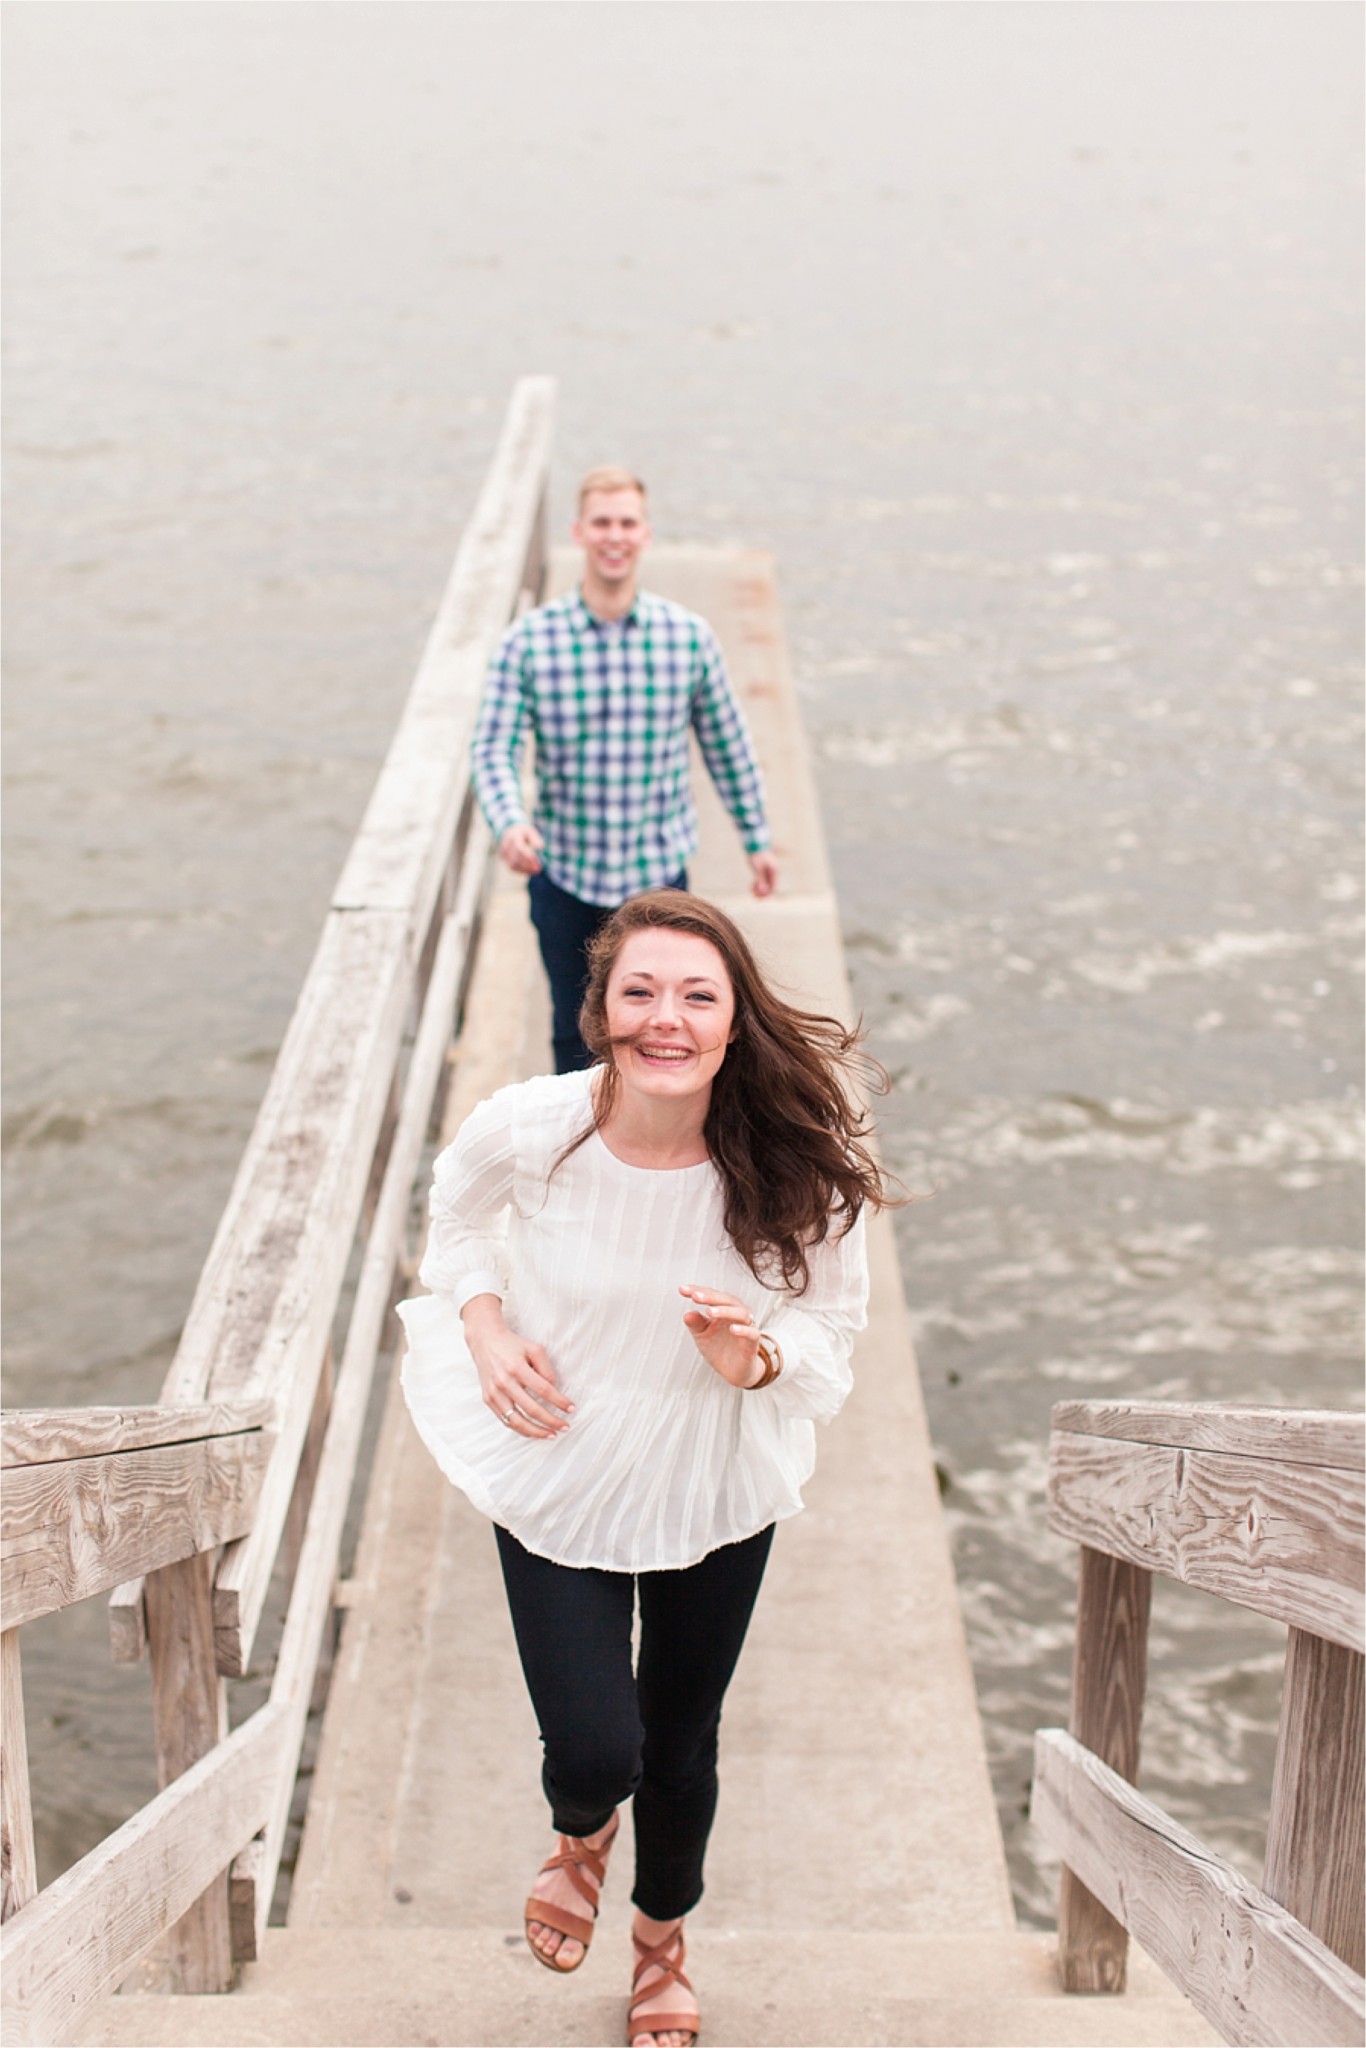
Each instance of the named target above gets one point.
<point>857,1886</point>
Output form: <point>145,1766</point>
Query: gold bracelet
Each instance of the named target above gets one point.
<point>772,1354</point>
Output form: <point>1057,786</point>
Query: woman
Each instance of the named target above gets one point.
<point>656,1269</point>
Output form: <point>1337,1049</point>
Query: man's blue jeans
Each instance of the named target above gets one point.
<point>564,926</point>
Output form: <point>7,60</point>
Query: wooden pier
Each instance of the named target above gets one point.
<point>857,1889</point>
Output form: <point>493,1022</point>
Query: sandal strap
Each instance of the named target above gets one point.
<point>659,1959</point>
<point>560,1918</point>
<point>574,1854</point>
<point>584,1870</point>
<point>670,1971</point>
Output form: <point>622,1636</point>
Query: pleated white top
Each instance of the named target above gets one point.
<point>663,1460</point>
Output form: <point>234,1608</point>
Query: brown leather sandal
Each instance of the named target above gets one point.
<point>662,1959</point>
<point>586,1868</point>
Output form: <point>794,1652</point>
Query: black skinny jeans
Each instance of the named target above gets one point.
<point>610,1732</point>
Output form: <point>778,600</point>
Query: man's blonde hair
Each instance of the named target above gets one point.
<point>611,477</point>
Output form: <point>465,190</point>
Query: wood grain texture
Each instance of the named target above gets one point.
<point>71,1945</point>
<point>48,1436</point>
<point>18,1863</point>
<point>189,1720</point>
<point>270,1290</point>
<point>70,1530</point>
<point>254,1874</point>
<point>306,1476</point>
<point>1316,1842</point>
<point>247,1884</point>
<point>128,1621</point>
<point>1109,1676</point>
<point>1249,1966</point>
<point>1284,1540</point>
<point>1290,1436</point>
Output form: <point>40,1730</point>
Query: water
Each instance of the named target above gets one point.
<point>1028,337</point>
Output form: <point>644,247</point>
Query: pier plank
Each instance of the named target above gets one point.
<point>70,1946</point>
<point>1296,1436</point>
<point>1242,1959</point>
<point>78,1528</point>
<point>1283,1540</point>
<point>1316,1842</point>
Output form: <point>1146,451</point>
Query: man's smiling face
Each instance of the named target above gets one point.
<point>613,532</point>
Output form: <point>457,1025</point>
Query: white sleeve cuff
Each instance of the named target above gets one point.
<point>472,1284</point>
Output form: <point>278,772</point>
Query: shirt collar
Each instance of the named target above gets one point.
<point>587,617</point>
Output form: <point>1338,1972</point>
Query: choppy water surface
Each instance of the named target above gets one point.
<point>1028,338</point>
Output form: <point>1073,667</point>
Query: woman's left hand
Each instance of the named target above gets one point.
<point>725,1333</point>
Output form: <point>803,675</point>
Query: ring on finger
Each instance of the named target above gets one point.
<point>507,1419</point>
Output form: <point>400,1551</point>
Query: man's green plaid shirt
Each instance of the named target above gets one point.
<point>610,703</point>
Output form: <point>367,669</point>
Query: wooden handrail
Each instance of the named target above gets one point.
<point>1252,1968</point>
<point>1231,1513</point>
<point>74,1943</point>
<point>254,1873</point>
<point>1263,1507</point>
<point>91,1494</point>
<point>1286,1436</point>
<point>249,1420</point>
<point>45,1436</point>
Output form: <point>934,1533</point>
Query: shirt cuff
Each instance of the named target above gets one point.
<point>472,1284</point>
<point>502,815</point>
<point>803,1391</point>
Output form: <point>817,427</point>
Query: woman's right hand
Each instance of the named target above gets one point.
<point>516,1376</point>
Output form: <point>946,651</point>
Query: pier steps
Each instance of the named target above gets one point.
<point>480,1988</point>
<point>857,1889</point>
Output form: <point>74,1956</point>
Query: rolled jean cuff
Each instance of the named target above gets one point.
<point>658,1905</point>
<point>573,1824</point>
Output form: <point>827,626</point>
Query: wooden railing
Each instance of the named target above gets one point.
<point>1262,1507</point>
<point>185,1508</point>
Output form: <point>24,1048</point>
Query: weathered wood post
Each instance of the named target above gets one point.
<point>18,1863</point>
<point>189,1717</point>
<point>1314,1843</point>
<point>1109,1675</point>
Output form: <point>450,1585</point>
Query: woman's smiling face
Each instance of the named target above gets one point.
<point>670,998</point>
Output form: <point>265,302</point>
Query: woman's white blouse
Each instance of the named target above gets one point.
<point>663,1460</point>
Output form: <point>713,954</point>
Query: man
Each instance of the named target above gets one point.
<point>610,680</point>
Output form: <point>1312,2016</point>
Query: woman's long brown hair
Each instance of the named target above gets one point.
<point>783,1128</point>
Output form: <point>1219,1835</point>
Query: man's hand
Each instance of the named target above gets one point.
<point>764,869</point>
<point>520,846</point>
